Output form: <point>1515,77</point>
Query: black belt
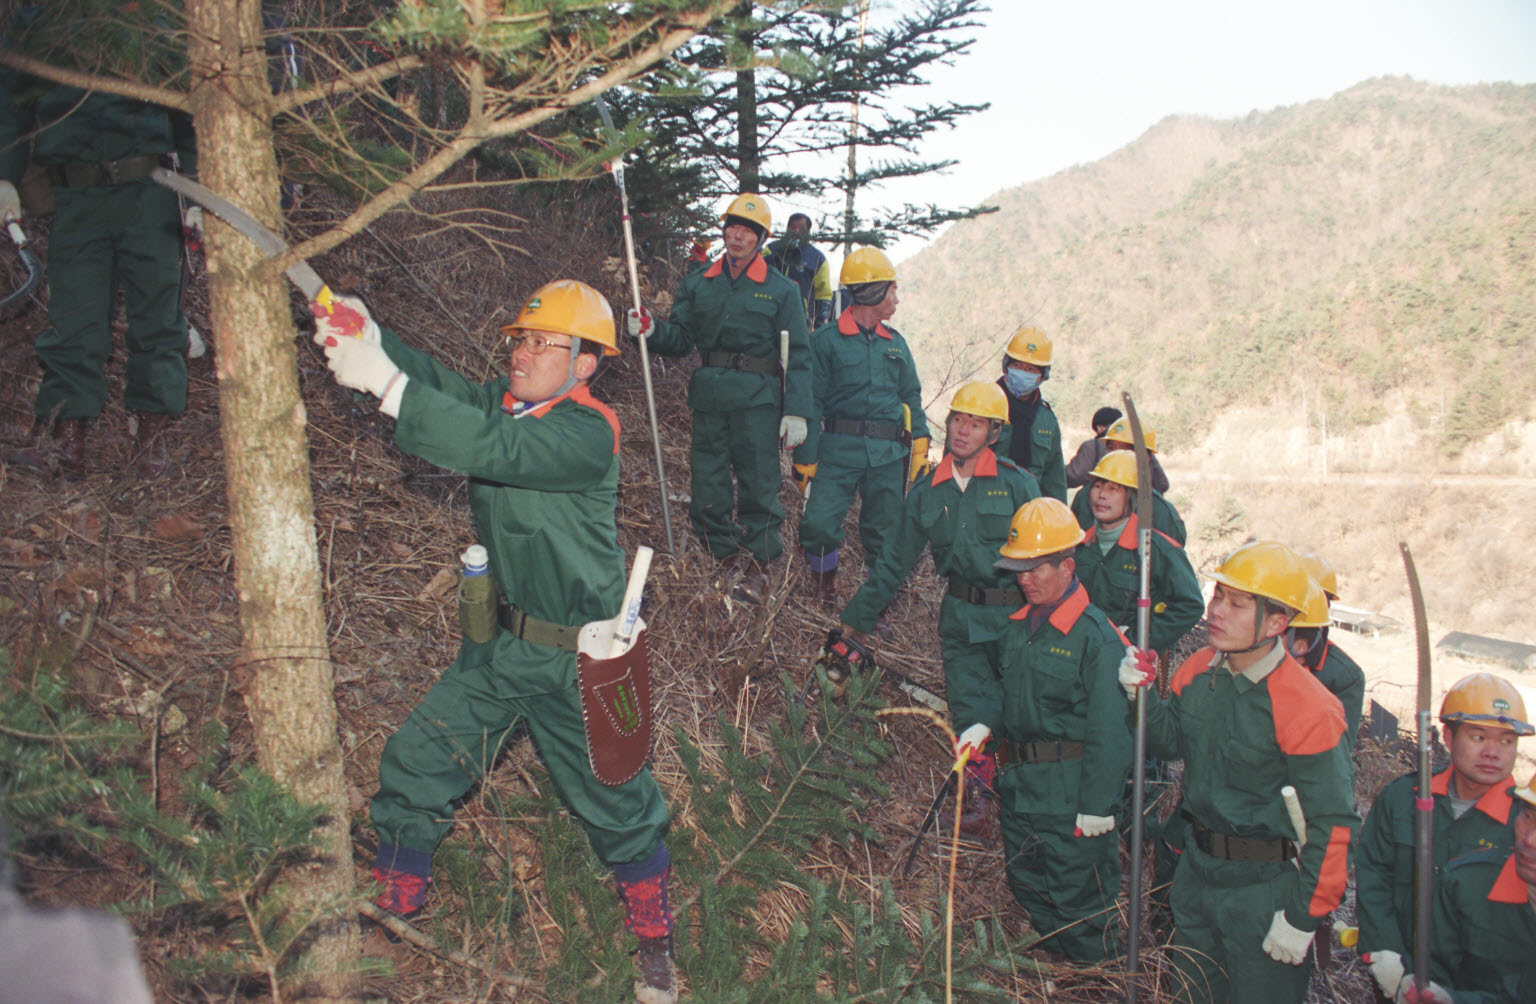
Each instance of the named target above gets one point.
<point>531,629</point>
<point>739,361</point>
<point>869,430</point>
<point>1049,751</point>
<point>1012,596</point>
<point>104,172</point>
<point>1230,848</point>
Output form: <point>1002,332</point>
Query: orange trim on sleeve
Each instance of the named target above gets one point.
<point>1333,875</point>
<point>1192,667</point>
<point>1308,718</point>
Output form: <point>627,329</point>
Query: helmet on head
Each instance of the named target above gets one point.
<point>751,209</point>
<point>1117,466</point>
<point>1487,700</point>
<point>569,307</point>
<point>1314,611</point>
<point>1321,571</point>
<point>1527,791</point>
<point>1029,345</point>
<point>866,265</point>
<point>1266,569</point>
<point>1120,432</point>
<point>982,399</point>
<point>1042,527</point>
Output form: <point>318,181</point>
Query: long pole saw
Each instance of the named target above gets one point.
<point>1143,641</point>
<point>1424,802</point>
<point>617,167</point>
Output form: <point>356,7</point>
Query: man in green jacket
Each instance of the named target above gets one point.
<point>867,432</point>
<point>1248,721</point>
<point>542,456</point>
<point>1484,718</point>
<point>741,316</point>
<point>1066,746</point>
<point>1313,648</point>
<point>113,229</point>
<point>1033,437</point>
<point>1165,518</point>
<point>961,511</point>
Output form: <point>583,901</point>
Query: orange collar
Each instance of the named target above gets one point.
<point>1495,803</point>
<point>1508,888</point>
<point>986,466</point>
<point>846,325</point>
<point>757,269</point>
<point>581,394</point>
<point>1067,611</point>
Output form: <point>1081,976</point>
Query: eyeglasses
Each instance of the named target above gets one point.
<point>536,344</point>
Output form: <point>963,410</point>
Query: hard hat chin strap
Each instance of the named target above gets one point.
<point>570,372</point>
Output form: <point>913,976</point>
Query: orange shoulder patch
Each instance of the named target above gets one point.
<point>1308,718</point>
<point>1190,668</point>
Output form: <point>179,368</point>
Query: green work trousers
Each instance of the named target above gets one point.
<point>1067,884</point>
<point>879,485</point>
<point>455,733</point>
<point>744,443</point>
<point>124,236</point>
<point>1221,912</point>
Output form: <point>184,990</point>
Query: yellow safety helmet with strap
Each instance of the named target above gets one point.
<point>1041,528</point>
<point>866,265</point>
<point>1117,466</point>
<point>569,307</point>
<point>983,399</point>
<point>1029,345</point>
<point>1527,792</point>
<point>1321,571</point>
<point>1267,569</point>
<point>1120,432</point>
<point>1488,700</point>
<point>1314,611</point>
<point>752,209</point>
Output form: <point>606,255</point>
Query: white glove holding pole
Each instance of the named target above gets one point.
<point>791,431</point>
<point>10,203</point>
<point>971,742</point>
<point>1092,826</point>
<point>1137,669</point>
<point>1285,943</point>
<point>640,323</point>
<point>1387,970</point>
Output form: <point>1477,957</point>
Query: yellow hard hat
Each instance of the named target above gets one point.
<point>751,207</point>
<point>569,307</point>
<point>982,399</point>
<point>1117,466</point>
<point>1488,700</point>
<point>1029,345</point>
<point>1321,571</point>
<point>1268,569</point>
<point>1120,432</point>
<point>1527,792</point>
<point>866,265</point>
<point>1042,527</point>
<point>1314,612</point>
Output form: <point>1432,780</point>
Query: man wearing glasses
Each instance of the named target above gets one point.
<point>542,456</point>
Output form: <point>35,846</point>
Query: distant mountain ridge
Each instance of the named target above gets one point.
<point>1375,243</point>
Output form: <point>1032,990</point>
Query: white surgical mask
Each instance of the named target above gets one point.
<point>1021,382</point>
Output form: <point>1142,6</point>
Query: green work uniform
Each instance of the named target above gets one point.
<point>1484,932</point>
<point>1384,858</point>
<point>1243,737</point>
<point>113,228</point>
<point>1059,684</point>
<point>542,488</point>
<point>863,376</point>
<point>1345,680</point>
<point>964,527</point>
<point>1113,580</point>
<point>1041,443</point>
<point>1165,518</point>
<point>735,395</point>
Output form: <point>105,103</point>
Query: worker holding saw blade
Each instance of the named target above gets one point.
<point>542,456</point>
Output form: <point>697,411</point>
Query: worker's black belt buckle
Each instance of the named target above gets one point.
<point>869,430</point>
<point>1230,848</point>
<point>739,361</point>
<point>530,629</point>
<point>1046,751</point>
<point>1010,597</point>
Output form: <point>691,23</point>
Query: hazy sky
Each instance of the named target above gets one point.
<point>1072,82</point>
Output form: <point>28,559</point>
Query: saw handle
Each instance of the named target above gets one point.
<point>629,611</point>
<point>344,319</point>
<point>1293,809</point>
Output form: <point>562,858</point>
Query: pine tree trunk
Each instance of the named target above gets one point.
<point>747,157</point>
<point>288,692</point>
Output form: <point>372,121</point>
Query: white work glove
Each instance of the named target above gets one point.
<point>640,323</point>
<point>1411,993</point>
<point>192,218</point>
<point>344,317</point>
<point>1387,970</point>
<point>1137,669</point>
<point>791,431</point>
<point>361,366</point>
<point>1092,826</point>
<point>10,202</point>
<point>1285,943</point>
<point>971,741</point>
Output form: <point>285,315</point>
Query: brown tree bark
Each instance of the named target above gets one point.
<point>288,693</point>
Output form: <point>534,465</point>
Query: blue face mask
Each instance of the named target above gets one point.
<point>1021,382</point>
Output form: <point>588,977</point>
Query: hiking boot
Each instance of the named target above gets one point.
<point>401,893</point>
<point>754,581</point>
<point>825,586</point>
<point>656,982</point>
<point>154,457</point>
